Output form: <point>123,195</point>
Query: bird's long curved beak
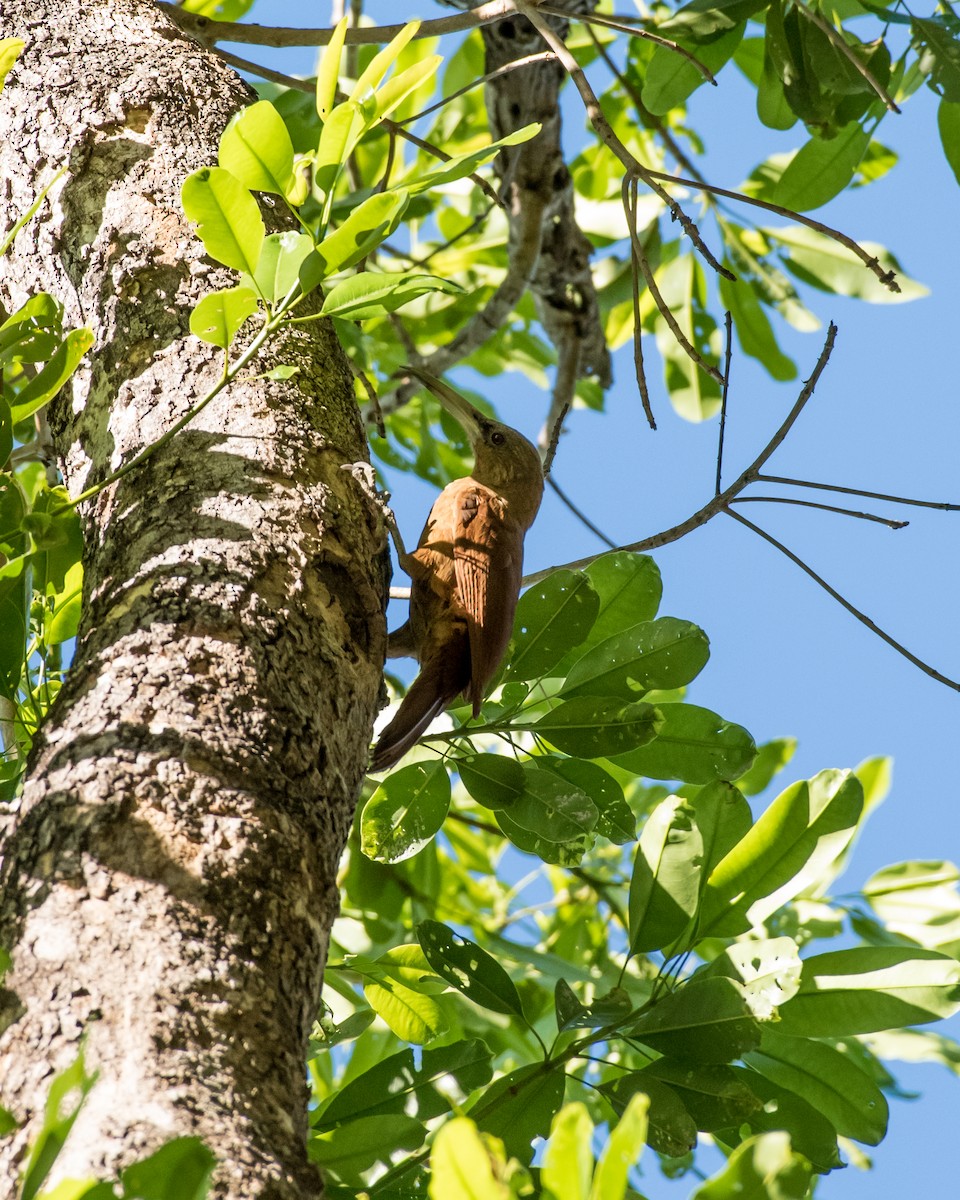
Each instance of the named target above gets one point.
<point>472,420</point>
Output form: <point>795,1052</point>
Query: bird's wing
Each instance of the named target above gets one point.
<point>488,557</point>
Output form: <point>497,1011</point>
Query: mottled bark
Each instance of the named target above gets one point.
<point>169,885</point>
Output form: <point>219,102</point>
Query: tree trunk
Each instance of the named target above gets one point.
<point>170,882</point>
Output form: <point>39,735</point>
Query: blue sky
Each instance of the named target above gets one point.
<point>786,659</point>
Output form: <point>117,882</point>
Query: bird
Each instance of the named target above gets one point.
<point>465,574</point>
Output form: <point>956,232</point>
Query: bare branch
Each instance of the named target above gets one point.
<point>630,210</point>
<point>887,278</point>
<point>579,514</point>
<point>861,616</point>
<point>204,30</point>
<point>846,512</point>
<point>728,335</point>
<point>515,65</point>
<point>849,491</point>
<point>568,368</point>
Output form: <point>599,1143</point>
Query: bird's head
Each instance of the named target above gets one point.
<point>504,459</point>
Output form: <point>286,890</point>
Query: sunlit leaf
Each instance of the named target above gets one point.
<point>371,294</point>
<point>179,1170</point>
<point>256,149</point>
<point>591,727</point>
<point>665,885</point>
<point>229,220</point>
<point>219,315</point>
<point>870,988</point>
<point>461,1167</point>
<point>405,811</point>
<point>665,653</point>
<point>789,848</point>
<point>764,1167</point>
<point>707,1020</point>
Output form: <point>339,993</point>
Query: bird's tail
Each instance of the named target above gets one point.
<point>442,678</point>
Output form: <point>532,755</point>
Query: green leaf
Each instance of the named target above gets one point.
<point>52,376</point>
<point>410,1014</point>
<point>871,988</point>
<point>179,1170</point>
<point>790,848</point>
<point>366,227</point>
<point>723,818</point>
<point>371,78</point>
<point>771,758</point>
<point>670,1128</point>
<point>773,109</point>
<point>57,536</point>
<point>256,149</point>
<point>218,316</point>
<point>349,1152</point>
<point>10,49</point>
<point>398,1085</point>
<point>821,170</point>
<point>706,1020</point>
<point>629,588</point>
<point>810,1132</point>
<point>61,623</point>
<point>568,1159</point>
<point>828,1080</point>
<point>825,264</point>
<point>68,1091</point>
<point>941,56</point>
<point>552,617</point>
<point>754,330</point>
<point>605,1010</point>
<point>666,653</point>
<point>469,969</point>
<point>461,1167</point>
<point>693,745</point>
<point>715,1096</point>
<point>492,779</point>
<point>518,1107</point>
<point>372,294</point>
<point>6,432</point>
<point>462,165</point>
<point>342,129</point>
<point>591,727</point>
<point>768,970</point>
<point>615,820</point>
<point>278,268</point>
<point>229,220</point>
<point>33,332</point>
<point>948,123</point>
<point>665,885</point>
<point>403,84</point>
<point>763,1167</point>
<point>670,78</point>
<point>328,69</point>
<point>405,812</point>
<point>551,807</point>
<point>705,18</point>
<point>622,1151</point>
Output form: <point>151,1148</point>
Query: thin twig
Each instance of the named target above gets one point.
<point>662,307</point>
<point>849,491</point>
<point>871,262</point>
<point>207,31</point>
<point>607,135</point>
<point>630,211</point>
<point>861,616</point>
<point>621,25</point>
<point>837,38</point>
<point>568,370</point>
<point>543,56</point>
<point>367,385</point>
<point>846,512</point>
<point>581,516</point>
<point>716,503</point>
<point>728,334</point>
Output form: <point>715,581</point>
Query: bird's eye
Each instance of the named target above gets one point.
<point>497,438</point>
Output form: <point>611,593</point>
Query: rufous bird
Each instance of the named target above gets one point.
<point>465,574</point>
